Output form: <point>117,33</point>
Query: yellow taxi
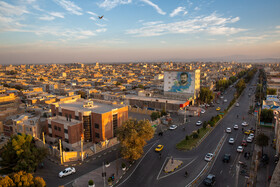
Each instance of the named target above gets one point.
<point>159,148</point>
<point>218,108</point>
<point>249,132</point>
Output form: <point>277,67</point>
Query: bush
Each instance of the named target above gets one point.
<point>194,135</point>
<point>90,182</point>
<point>204,125</point>
<point>110,179</point>
<point>187,137</point>
<point>123,165</point>
<point>197,131</point>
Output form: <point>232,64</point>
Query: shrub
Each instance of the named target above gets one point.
<point>197,131</point>
<point>123,165</point>
<point>110,179</point>
<point>90,182</point>
<point>187,137</point>
<point>204,125</point>
<point>194,135</point>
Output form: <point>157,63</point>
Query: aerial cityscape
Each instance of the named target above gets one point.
<point>130,93</point>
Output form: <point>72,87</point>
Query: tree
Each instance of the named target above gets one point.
<point>22,179</point>
<point>206,95</point>
<point>133,135</point>
<point>141,86</point>
<point>240,86</point>
<point>267,115</point>
<point>82,93</point>
<point>155,115</point>
<point>41,79</point>
<point>262,140</point>
<point>21,154</point>
<point>271,91</point>
<point>118,83</point>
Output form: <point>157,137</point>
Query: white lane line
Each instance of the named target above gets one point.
<point>138,164</point>
<point>174,171</point>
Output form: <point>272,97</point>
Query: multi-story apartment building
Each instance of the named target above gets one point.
<point>95,119</point>
<point>27,124</point>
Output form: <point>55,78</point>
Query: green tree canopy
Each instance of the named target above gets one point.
<point>267,115</point>
<point>206,95</point>
<point>155,115</point>
<point>22,179</point>
<point>240,85</point>
<point>133,135</point>
<point>262,140</point>
<point>21,154</point>
<point>271,91</point>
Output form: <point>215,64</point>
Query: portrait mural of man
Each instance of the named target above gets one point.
<point>182,83</point>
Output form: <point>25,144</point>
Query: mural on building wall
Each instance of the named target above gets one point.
<point>180,82</point>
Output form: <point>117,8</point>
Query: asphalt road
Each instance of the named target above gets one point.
<point>149,171</point>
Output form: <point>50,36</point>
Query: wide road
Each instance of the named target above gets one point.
<point>149,171</point>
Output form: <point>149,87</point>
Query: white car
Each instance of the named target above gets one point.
<point>202,111</point>
<point>251,135</point>
<point>249,139</point>
<point>208,157</point>
<point>231,141</point>
<point>222,97</point>
<point>173,127</point>
<point>228,130</point>
<point>198,123</point>
<point>66,172</point>
<point>235,127</point>
<point>237,104</point>
<point>225,100</point>
<point>244,124</point>
<point>240,149</point>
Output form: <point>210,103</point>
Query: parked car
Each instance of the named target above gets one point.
<point>231,141</point>
<point>202,111</point>
<point>249,139</point>
<point>240,149</point>
<point>209,180</point>
<point>226,158</point>
<point>228,130</point>
<point>235,127</point>
<point>173,127</point>
<point>244,124</point>
<point>237,104</point>
<point>66,172</point>
<point>244,143</point>
<point>265,158</point>
<point>208,157</point>
<point>225,100</point>
<point>159,148</point>
<point>218,109</point>
<point>251,135</point>
<point>198,123</point>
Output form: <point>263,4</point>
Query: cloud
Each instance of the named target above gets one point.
<point>277,27</point>
<point>101,30</point>
<point>110,4</point>
<point>212,24</point>
<point>69,6</point>
<point>152,23</point>
<point>93,18</point>
<point>9,24</point>
<point>91,13</point>
<point>7,9</point>
<point>196,8</point>
<point>47,18</point>
<point>100,25</point>
<point>57,14</point>
<point>154,6</point>
<point>177,11</point>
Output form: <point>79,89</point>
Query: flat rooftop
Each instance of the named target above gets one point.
<point>98,107</point>
<point>161,100</point>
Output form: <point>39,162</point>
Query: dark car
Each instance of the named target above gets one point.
<point>265,158</point>
<point>226,158</point>
<point>210,180</point>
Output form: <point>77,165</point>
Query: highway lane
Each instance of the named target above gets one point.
<point>227,174</point>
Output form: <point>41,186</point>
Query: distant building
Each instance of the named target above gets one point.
<point>26,124</point>
<point>97,120</point>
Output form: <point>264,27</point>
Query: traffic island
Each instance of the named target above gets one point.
<point>172,165</point>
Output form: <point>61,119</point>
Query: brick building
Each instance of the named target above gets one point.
<point>96,119</point>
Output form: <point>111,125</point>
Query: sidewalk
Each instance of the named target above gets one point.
<point>96,175</point>
<point>264,171</point>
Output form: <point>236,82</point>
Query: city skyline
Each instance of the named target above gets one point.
<point>64,31</point>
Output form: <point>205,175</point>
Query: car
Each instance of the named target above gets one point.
<point>208,157</point>
<point>249,139</point>
<point>198,123</point>
<point>244,143</point>
<point>173,127</point>
<point>251,135</point>
<point>265,158</point>
<point>218,109</point>
<point>247,132</point>
<point>66,172</point>
<point>240,149</point>
<point>235,127</point>
<point>237,104</point>
<point>225,100</point>
<point>202,111</point>
<point>231,141</point>
<point>159,148</point>
<point>228,130</point>
<point>244,123</point>
<point>226,158</point>
<point>222,97</point>
<point>209,180</point>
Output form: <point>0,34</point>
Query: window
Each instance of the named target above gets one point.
<point>59,129</point>
<point>96,126</point>
<point>97,135</point>
<point>49,125</point>
<point>55,127</point>
<point>66,131</point>
<point>76,117</point>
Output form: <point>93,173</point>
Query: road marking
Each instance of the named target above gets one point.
<point>138,164</point>
<point>175,170</point>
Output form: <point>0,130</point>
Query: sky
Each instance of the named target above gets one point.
<point>68,31</point>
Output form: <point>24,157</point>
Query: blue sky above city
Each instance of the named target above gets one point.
<point>67,31</point>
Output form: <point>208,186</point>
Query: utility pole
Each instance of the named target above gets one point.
<point>82,140</point>
<point>60,148</point>
<point>103,174</point>
<point>43,135</point>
